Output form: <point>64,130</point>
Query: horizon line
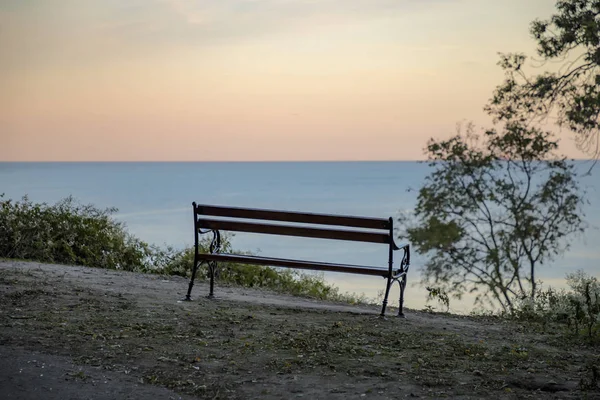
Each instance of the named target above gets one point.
<point>201,161</point>
<point>231,161</point>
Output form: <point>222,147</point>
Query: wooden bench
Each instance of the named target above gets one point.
<point>367,230</point>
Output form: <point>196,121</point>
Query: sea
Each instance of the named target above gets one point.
<point>154,200</point>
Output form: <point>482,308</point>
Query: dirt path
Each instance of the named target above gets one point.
<point>85,333</point>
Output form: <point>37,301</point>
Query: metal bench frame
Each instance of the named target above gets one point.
<point>372,230</point>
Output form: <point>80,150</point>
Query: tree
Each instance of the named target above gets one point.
<point>571,94</point>
<point>497,206</point>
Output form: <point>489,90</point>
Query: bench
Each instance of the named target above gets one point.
<point>213,219</point>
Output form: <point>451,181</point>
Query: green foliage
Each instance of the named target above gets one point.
<point>170,261</point>
<point>68,233</point>
<point>577,308</point>
<point>75,234</point>
<point>496,207</point>
<point>572,93</point>
<point>285,281</point>
<point>440,295</point>
<point>584,302</point>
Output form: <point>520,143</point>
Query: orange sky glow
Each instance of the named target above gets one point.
<point>249,80</point>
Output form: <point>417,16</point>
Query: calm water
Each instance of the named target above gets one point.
<point>154,199</point>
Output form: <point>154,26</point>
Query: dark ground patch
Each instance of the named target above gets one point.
<point>110,334</point>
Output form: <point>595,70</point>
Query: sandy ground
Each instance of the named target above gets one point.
<point>83,333</point>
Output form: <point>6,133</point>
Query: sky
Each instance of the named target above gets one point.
<point>250,80</point>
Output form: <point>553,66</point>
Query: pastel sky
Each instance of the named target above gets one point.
<point>207,80</point>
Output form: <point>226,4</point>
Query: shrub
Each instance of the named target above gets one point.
<point>439,294</point>
<point>170,261</point>
<point>584,302</point>
<point>577,308</point>
<point>69,233</point>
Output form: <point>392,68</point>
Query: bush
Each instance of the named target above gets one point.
<point>68,233</point>
<point>170,261</point>
<point>584,302</point>
<point>439,294</point>
<point>75,234</point>
<point>577,308</point>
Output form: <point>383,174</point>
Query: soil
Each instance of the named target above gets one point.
<point>84,333</point>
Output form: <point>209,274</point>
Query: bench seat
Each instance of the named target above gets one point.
<point>311,265</point>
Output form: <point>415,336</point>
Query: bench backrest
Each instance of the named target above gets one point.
<point>368,230</point>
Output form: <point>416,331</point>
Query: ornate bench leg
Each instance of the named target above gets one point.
<point>401,301</point>
<point>212,265</point>
<point>385,299</point>
<point>194,270</point>
<point>215,247</point>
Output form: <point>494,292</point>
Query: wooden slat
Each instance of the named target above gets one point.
<point>279,262</point>
<point>290,216</point>
<point>321,233</point>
